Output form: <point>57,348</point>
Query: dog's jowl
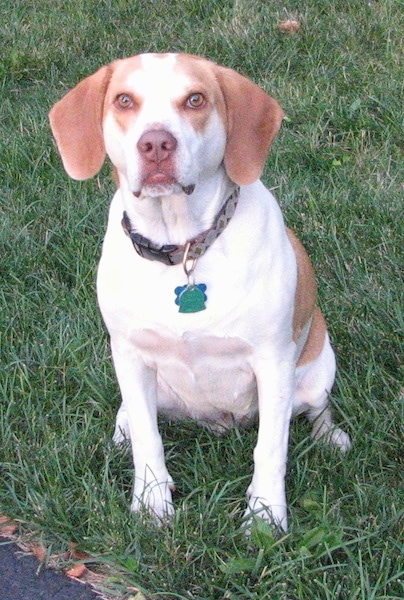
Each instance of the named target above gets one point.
<point>210,302</point>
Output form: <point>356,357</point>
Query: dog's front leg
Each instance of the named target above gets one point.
<point>138,417</point>
<point>267,498</point>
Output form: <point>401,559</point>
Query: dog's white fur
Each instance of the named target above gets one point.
<point>261,345</point>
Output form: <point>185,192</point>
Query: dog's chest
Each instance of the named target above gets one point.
<point>204,377</point>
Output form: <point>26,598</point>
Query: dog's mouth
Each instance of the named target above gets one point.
<point>159,183</point>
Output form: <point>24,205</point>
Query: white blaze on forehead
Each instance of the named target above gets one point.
<point>156,81</point>
<point>154,61</point>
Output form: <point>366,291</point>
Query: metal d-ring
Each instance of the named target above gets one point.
<point>188,270</point>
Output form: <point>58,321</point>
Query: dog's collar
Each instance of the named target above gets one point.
<point>171,254</point>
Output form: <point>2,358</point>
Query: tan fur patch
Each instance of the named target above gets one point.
<point>315,341</point>
<point>121,70</point>
<point>76,124</point>
<point>306,289</point>
<point>305,304</point>
<point>202,79</point>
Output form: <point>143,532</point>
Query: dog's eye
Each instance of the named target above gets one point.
<point>196,100</point>
<point>124,101</point>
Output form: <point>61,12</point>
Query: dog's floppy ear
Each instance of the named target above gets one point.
<point>253,120</point>
<point>76,122</point>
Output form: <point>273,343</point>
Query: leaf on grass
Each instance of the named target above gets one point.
<point>75,553</point>
<point>313,537</point>
<point>319,537</point>
<point>263,534</point>
<point>238,565</point>
<point>289,26</point>
<point>8,530</point>
<point>311,506</point>
<point>356,104</point>
<point>39,552</point>
<point>76,571</point>
<point>7,526</point>
<point>338,162</point>
<point>130,563</point>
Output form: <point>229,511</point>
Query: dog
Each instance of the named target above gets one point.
<point>209,300</point>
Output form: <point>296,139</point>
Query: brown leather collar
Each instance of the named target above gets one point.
<point>171,254</point>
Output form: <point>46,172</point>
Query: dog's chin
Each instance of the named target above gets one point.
<point>158,190</point>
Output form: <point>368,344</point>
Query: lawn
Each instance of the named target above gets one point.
<point>336,169</point>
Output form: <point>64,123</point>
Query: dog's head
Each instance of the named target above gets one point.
<point>166,121</point>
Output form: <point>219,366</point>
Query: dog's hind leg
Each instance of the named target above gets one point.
<point>314,383</point>
<point>121,433</point>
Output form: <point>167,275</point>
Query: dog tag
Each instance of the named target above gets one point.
<point>191,298</point>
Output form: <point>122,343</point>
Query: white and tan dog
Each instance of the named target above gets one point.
<point>209,300</point>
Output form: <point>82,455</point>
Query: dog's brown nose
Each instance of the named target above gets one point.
<point>156,146</point>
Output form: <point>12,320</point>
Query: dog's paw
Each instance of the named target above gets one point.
<point>120,436</point>
<point>156,499</point>
<point>339,439</point>
<point>335,437</point>
<point>259,508</point>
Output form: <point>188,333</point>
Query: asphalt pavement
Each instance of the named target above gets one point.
<point>20,579</point>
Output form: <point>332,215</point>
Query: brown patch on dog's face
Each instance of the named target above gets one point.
<point>119,89</point>
<point>203,94</point>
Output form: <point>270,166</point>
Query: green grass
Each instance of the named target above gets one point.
<point>337,172</point>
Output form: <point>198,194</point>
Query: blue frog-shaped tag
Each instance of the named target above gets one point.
<point>191,298</point>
